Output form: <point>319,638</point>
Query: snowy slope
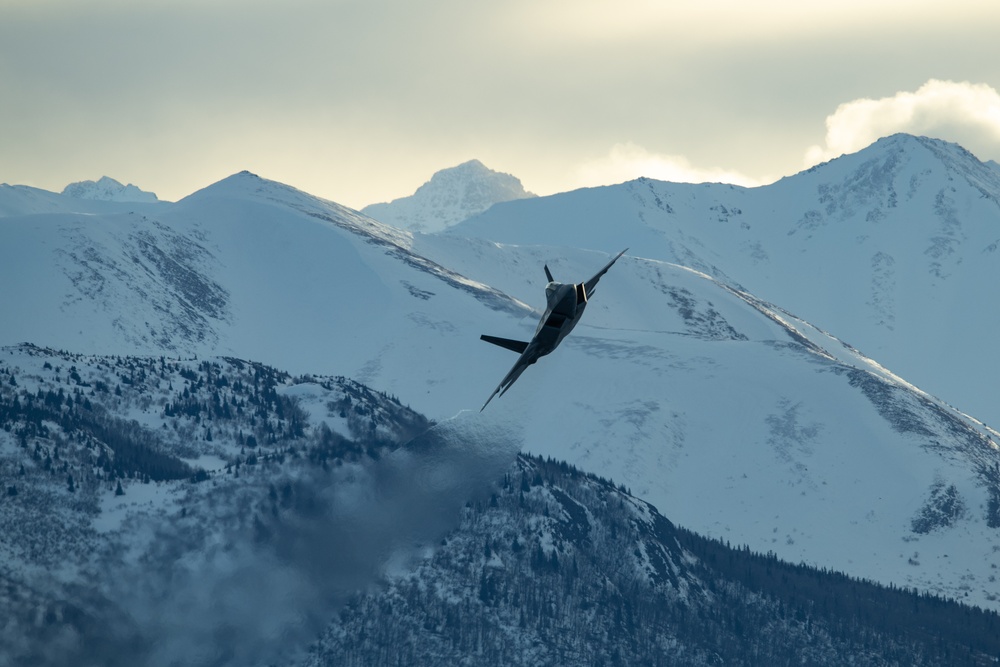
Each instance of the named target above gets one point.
<point>742,422</point>
<point>893,248</point>
<point>731,416</point>
<point>245,265</point>
<point>450,196</point>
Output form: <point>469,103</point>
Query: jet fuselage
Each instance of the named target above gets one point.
<point>563,311</point>
<point>564,306</point>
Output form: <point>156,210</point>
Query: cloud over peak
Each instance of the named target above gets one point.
<point>964,112</point>
<point>628,161</point>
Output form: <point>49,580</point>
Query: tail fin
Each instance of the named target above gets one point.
<point>512,345</point>
<point>548,274</point>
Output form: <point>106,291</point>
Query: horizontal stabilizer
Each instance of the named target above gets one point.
<point>514,345</point>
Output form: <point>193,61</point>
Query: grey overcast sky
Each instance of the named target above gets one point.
<point>360,101</point>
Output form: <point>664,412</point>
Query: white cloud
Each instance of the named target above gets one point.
<point>627,161</point>
<point>963,112</point>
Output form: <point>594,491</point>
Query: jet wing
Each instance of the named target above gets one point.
<point>508,380</point>
<point>592,283</point>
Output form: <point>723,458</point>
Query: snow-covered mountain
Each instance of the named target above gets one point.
<point>141,497</point>
<point>108,189</point>
<point>159,512</point>
<point>451,196</point>
<point>563,568</point>
<point>892,249</point>
<point>730,414</point>
<point>245,263</point>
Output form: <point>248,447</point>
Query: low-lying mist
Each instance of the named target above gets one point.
<point>251,570</point>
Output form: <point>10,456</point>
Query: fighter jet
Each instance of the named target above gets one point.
<point>565,305</point>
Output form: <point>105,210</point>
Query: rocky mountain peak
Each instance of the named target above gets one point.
<point>449,197</point>
<point>108,189</point>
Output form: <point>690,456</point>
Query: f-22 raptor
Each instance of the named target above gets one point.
<point>565,305</point>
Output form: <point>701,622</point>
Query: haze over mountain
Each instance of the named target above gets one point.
<point>731,415</point>
<point>450,196</point>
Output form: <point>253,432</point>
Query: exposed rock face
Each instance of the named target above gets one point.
<point>107,189</point>
<point>451,196</point>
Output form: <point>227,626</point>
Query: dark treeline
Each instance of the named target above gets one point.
<point>849,605</point>
<point>846,604</point>
<point>137,451</point>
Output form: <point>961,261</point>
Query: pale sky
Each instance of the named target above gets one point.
<point>360,101</point>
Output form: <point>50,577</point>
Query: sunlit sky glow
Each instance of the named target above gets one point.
<point>361,101</point>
